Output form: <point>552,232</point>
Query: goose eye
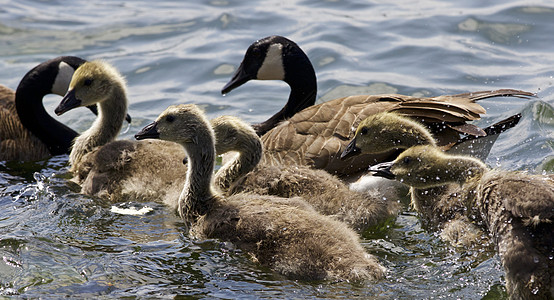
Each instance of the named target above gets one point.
<point>256,51</point>
<point>407,160</point>
<point>364,130</point>
<point>88,82</point>
<point>170,118</point>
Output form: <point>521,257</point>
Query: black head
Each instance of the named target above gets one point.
<point>266,59</point>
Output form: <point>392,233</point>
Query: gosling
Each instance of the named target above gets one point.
<point>117,170</point>
<point>325,192</point>
<point>388,131</point>
<point>294,241</point>
<point>515,208</point>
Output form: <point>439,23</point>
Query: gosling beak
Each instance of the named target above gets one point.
<point>241,77</point>
<point>150,131</point>
<point>383,170</point>
<point>94,110</point>
<point>68,103</point>
<point>351,150</point>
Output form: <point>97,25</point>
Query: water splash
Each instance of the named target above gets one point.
<point>37,191</point>
<point>132,211</point>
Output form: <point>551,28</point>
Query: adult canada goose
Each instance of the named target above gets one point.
<point>297,242</point>
<point>117,170</point>
<point>316,135</point>
<point>27,131</point>
<point>517,210</point>
<point>325,192</point>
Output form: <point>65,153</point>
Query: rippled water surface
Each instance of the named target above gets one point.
<point>55,242</point>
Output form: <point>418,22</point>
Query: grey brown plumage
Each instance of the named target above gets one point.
<point>469,202</point>
<point>316,135</point>
<point>291,239</point>
<point>16,142</point>
<point>515,208</point>
<point>325,192</point>
<point>27,131</point>
<point>118,170</point>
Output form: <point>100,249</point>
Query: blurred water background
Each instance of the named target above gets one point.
<point>55,242</point>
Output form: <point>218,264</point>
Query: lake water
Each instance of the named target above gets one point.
<point>55,242</point>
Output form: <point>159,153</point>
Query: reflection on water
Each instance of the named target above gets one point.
<point>55,242</point>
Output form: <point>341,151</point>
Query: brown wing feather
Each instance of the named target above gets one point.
<point>318,134</point>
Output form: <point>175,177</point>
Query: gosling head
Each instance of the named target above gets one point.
<point>93,82</point>
<point>384,132</point>
<point>232,134</point>
<point>178,123</point>
<point>426,166</point>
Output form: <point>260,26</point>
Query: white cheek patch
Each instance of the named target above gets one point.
<point>272,67</point>
<point>61,83</point>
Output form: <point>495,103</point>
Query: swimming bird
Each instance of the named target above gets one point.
<point>325,192</point>
<point>515,208</point>
<point>389,131</point>
<point>117,170</point>
<point>27,131</point>
<point>315,135</point>
<point>294,241</point>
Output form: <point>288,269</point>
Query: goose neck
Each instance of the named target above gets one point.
<point>248,157</point>
<point>465,169</point>
<point>303,92</point>
<point>197,195</point>
<point>106,127</point>
<point>37,83</point>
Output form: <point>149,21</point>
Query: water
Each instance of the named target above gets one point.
<point>55,242</point>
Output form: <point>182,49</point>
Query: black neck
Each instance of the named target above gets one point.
<point>300,76</point>
<point>302,95</point>
<point>28,100</point>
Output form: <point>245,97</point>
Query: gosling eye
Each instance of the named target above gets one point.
<point>170,118</point>
<point>364,130</point>
<point>407,160</point>
<point>87,82</point>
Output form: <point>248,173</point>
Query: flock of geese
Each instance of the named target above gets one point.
<point>284,197</point>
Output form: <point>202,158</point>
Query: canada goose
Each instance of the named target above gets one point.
<point>517,210</point>
<point>299,243</point>
<point>316,135</point>
<point>27,131</point>
<point>117,170</point>
<point>325,192</point>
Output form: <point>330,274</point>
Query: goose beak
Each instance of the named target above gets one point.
<point>68,103</point>
<point>241,77</point>
<point>383,170</point>
<point>351,150</point>
<point>150,131</point>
